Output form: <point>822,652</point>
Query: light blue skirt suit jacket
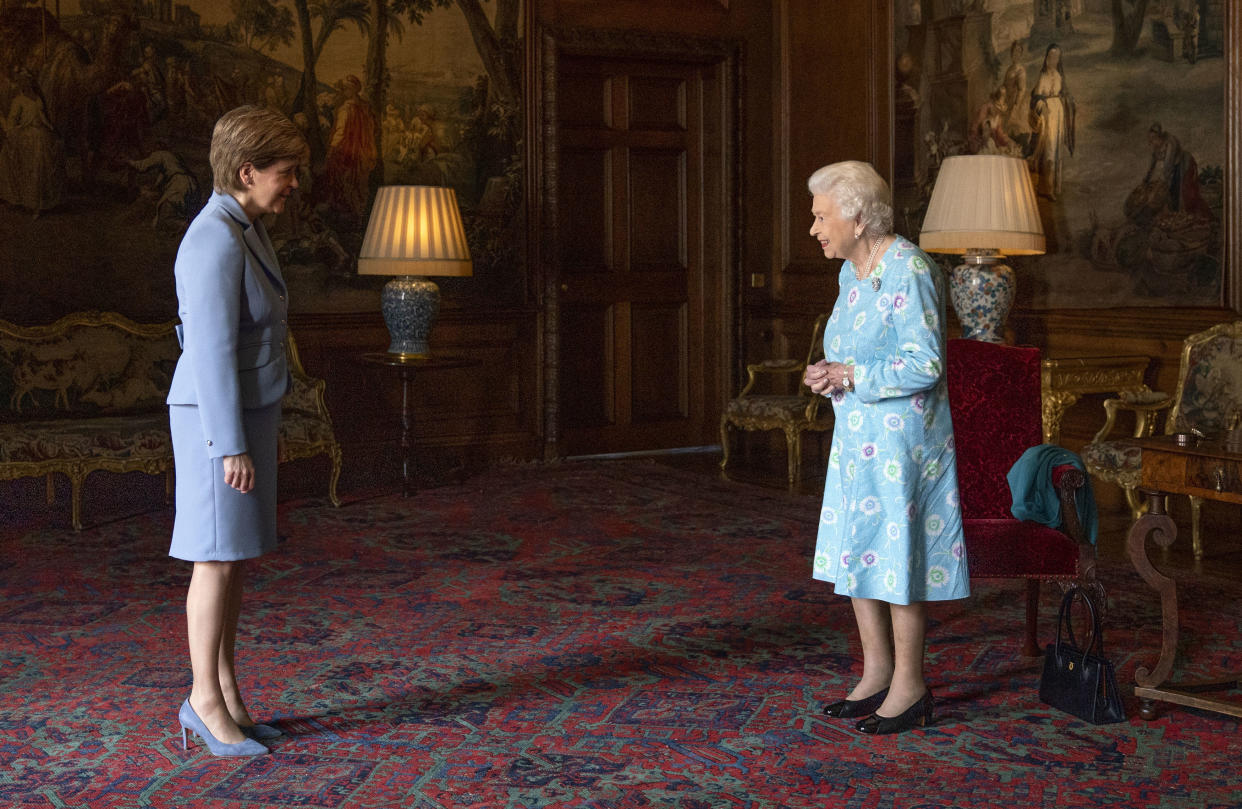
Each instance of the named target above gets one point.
<point>229,381</point>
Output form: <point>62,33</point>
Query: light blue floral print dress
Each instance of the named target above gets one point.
<point>891,525</point>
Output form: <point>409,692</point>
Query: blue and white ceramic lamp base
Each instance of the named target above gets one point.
<point>982,295</point>
<point>410,304</point>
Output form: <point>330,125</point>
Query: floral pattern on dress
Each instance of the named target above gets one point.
<point>891,525</point>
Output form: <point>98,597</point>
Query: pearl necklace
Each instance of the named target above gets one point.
<point>870,257</point>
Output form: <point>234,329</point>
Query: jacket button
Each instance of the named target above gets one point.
<point>209,443</point>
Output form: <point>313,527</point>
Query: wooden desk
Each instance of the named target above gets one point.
<point>1208,469</point>
<point>1064,380</point>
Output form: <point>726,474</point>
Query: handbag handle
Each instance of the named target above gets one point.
<point>1097,639</point>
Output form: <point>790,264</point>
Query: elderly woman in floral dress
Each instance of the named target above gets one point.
<point>890,531</point>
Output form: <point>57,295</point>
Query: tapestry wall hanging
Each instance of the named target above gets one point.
<point>1118,109</point>
<point>106,110</point>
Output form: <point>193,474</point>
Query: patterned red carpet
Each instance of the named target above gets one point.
<point>593,635</point>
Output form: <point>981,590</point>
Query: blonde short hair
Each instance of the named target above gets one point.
<point>255,135</point>
<point>859,191</point>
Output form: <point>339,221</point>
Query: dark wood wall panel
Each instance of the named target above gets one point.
<point>831,86</point>
<point>834,103</point>
<point>586,214</point>
<point>690,17</point>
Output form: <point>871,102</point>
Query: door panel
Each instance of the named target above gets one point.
<point>657,189</point>
<point>640,288</point>
<point>590,329</point>
<point>583,100</point>
<point>659,372</point>
<point>657,103</point>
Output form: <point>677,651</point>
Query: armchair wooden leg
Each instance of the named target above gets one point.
<point>793,447</point>
<point>724,443</point>
<point>1031,647</point>
<point>76,481</point>
<point>51,488</point>
<point>336,475</point>
<point>1196,537</point>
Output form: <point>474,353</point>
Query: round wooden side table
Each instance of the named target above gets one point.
<point>406,367</point>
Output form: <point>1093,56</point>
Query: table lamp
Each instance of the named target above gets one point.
<point>414,231</point>
<point>983,208</point>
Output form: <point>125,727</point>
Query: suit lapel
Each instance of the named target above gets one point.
<point>255,237</point>
<point>261,247</point>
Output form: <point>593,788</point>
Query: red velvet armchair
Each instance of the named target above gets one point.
<point>994,396</point>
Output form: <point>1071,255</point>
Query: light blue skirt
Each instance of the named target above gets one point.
<point>214,521</point>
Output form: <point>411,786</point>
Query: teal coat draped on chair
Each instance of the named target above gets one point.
<point>1034,496</point>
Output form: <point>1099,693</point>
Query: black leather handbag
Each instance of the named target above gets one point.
<point>1080,681</point>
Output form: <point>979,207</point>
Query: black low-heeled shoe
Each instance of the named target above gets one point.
<point>917,715</point>
<point>850,708</point>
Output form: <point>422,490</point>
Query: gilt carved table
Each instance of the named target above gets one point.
<point>1065,380</point>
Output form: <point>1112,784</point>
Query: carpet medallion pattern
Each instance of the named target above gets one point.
<point>587,635</point>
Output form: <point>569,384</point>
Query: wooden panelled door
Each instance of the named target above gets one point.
<point>643,253</point>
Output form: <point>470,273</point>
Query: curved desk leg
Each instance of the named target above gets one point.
<point>1054,406</point>
<point>1160,528</point>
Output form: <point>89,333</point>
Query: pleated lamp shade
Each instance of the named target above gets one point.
<point>983,207</point>
<point>415,230</point>
<point>983,202</point>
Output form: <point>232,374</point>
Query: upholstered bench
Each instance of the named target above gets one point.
<point>86,393</point>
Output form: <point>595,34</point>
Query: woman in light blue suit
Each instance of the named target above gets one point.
<point>224,406</point>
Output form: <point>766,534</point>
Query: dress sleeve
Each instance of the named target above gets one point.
<point>917,318</point>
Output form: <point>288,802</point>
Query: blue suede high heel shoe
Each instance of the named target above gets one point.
<point>189,721</point>
<point>261,733</point>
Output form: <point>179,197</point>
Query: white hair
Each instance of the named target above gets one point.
<point>859,191</point>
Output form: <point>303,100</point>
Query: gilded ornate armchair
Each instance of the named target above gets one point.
<point>1207,399</point>
<point>793,413</point>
